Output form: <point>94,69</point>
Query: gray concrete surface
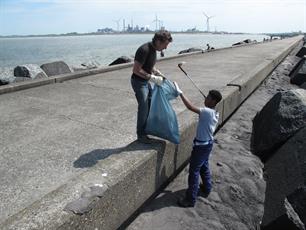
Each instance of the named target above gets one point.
<point>58,140</point>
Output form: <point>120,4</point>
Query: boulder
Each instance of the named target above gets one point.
<point>121,60</point>
<point>285,174</point>
<point>297,200</point>
<point>190,50</point>
<point>21,71</point>
<point>301,52</point>
<point>288,221</point>
<point>55,68</point>
<point>27,72</point>
<point>246,41</point>
<point>4,82</point>
<point>299,77</point>
<point>303,86</point>
<point>278,120</point>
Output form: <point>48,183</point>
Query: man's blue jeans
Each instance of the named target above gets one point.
<point>143,93</point>
<point>199,165</point>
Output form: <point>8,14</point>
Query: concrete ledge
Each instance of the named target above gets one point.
<point>25,85</point>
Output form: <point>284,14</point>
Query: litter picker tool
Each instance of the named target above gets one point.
<point>181,68</point>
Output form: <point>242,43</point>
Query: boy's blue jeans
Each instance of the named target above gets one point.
<point>199,165</point>
<point>143,93</point>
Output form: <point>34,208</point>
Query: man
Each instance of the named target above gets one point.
<point>143,71</point>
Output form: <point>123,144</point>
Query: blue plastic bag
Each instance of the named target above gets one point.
<point>162,121</point>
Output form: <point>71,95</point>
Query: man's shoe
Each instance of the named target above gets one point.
<point>183,202</point>
<point>144,139</point>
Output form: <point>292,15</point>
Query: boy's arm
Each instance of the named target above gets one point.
<point>186,101</point>
<point>189,105</point>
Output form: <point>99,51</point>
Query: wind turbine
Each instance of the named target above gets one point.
<point>207,20</point>
<point>117,21</point>
<point>156,21</point>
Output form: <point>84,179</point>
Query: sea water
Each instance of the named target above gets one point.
<point>99,50</point>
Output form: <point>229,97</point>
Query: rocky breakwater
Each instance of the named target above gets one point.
<point>278,138</point>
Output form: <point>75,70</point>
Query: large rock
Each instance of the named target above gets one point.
<point>299,77</point>
<point>285,173</point>
<point>298,201</point>
<point>301,52</point>
<point>55,68</point>
<point>190,50</point>
<point>288,221</point>
<point>27,72</point>
<point>121,60</point>
<point>279,119</point>
<point>246,41</point>
<point>4,82</point>
<point>21,71</point>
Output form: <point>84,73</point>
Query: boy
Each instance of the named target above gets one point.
<point>202,146</point>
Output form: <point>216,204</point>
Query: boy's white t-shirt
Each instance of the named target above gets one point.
<point>208,120</point>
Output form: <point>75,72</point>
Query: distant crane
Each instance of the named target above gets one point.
<point>117,21</point>
<point>207,20</point>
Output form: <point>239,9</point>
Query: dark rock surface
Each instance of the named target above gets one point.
<point>55,68</point>
<point>28,72</point>
<point>285,173</point>
<point>190,50</point>
<point>121,60</point>
<point>301,52</point>
<point>298,201</point>
<point>279,119</point>
<point>299,77</point>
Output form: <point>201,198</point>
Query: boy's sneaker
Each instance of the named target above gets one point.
<point>203,192</point>
<point>183,202</point>
<point>144,139</point>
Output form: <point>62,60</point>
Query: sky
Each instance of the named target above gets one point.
<point>24,17</point>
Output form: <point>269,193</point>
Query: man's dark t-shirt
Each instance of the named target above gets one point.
<point>146,56</point>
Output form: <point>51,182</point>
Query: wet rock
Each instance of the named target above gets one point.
<point>55,68</point>
<point>27,72</point>
<point>121,60</point>
<point>21,71</point>
<point>190,50</point>
<point>285,173</point>
<point>278,120</point>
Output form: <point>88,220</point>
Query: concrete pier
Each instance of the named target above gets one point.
<point>69,145</point>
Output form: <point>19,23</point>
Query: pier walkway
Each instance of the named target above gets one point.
<point>69,147</point>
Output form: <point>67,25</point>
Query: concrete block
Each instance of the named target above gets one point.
<point>278,120</point>
<point>285,172</point>
<point>297,200</point>
<point>55,68</point>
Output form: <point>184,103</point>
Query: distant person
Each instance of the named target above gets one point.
<point>143,71</point>
<point>202,146</point>
<point>208,46</point>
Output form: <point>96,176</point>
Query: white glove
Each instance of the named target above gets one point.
<point>177,88</point>
<point>156,79</point>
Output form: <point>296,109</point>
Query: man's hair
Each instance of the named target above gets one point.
<point>215,95</point>
<point>162,35</point>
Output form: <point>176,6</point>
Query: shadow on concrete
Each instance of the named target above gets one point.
<point>91,158</point>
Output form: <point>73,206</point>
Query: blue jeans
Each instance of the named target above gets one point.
<point>143,93</point>
<point>199,165</point>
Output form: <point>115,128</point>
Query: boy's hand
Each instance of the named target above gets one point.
<point>177,88</point>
